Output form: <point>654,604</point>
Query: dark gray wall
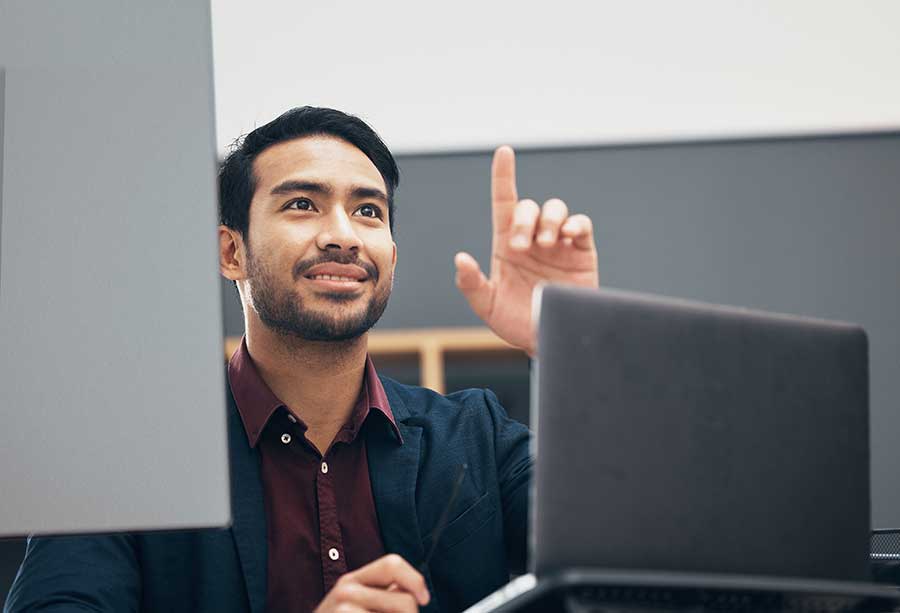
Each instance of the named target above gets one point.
<point>805,226</point>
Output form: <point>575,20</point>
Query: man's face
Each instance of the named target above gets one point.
<point>319,252</point>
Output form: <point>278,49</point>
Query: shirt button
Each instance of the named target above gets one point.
<point>333,554</point>
<point>324,467</point>
<point>285,438</point>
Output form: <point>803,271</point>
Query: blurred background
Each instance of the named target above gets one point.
<point>745,153</point>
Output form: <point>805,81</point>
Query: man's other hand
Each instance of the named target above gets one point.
<point>387,584</point>
<point>531,244</point>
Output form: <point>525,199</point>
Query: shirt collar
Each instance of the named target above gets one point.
<point>377,397</point>
<point>257,403</point>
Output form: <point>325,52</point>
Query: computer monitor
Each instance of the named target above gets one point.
<point>111,365</point>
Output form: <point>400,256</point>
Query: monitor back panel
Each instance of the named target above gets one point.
<point>111,364</point>
<point>681,436</point>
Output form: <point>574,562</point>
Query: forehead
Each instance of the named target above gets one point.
<point>324,158</point>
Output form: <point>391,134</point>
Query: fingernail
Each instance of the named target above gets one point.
<point>546,237</point>
<point>519,240</point>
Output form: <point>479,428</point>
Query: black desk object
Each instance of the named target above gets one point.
<point>603,591</point>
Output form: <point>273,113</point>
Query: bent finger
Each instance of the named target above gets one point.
<point>347,607</point>
<point>580,229</point>
<point>525,217</point>
<point>393,569</point>
<point>553,215</point>
<point>376,598</point>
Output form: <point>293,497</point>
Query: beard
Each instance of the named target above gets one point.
<point>282,309</point>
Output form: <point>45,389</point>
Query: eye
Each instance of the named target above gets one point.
<point>369,210</point>
<point>300,204</point>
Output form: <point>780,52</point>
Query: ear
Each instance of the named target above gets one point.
<point>394,259</point>
<point>232,255</point>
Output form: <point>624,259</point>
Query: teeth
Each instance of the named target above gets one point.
<point>332,278</point>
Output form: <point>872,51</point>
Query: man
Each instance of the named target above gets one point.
<point>342,482</point>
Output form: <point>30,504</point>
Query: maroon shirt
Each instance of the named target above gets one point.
<point>320,514</point>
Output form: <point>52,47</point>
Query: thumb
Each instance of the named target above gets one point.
<point>473,284</point>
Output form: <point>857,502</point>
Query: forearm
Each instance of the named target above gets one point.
<point>77,573</point>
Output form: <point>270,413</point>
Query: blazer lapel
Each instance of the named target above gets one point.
<point>247,509</point>
<point>393,471</point>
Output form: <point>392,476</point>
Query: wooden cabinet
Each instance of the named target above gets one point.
<point>430,346</point>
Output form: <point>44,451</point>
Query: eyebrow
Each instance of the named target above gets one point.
<point>356,191</point>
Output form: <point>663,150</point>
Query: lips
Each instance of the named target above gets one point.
<point>332,271</point>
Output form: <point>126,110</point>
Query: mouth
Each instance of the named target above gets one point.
<point>336,277</point>
<point>335,283</point>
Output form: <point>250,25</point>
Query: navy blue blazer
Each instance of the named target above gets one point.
<point>222,570</point>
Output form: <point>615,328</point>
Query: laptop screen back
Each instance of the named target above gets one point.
<point>686,437</point>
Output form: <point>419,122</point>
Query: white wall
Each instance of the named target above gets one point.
<point>467,74</point>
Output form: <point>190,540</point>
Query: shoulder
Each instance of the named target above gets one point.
<point>418,403</point>
<point>467,417</point>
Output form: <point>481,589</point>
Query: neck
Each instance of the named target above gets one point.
<point>319,381</point>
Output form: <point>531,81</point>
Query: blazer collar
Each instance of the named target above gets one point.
<point>248,509</point>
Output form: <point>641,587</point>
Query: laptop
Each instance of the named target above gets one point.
<point>694,457</point>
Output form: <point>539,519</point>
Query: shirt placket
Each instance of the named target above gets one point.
<point>334,562</point>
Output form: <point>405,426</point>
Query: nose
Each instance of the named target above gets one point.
<point>337,232</point>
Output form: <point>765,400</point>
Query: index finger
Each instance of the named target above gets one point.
<point>393,569</point>
<point>503,187</point>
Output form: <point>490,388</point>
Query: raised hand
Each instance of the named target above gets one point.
<point>530,244</point>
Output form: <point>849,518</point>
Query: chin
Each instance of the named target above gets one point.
<point>341,297</point>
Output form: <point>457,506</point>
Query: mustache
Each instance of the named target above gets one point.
<point>301,267</point>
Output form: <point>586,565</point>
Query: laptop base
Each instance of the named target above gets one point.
<point>607,591</point>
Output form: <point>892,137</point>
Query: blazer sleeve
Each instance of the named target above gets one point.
<point>77,573</point>
<point>512,442</point>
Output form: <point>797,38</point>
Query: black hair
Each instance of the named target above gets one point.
<point>237,182</point>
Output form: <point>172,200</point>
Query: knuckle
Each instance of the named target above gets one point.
<point>524,218</point>
<point>528,206</point>
<point>554,213</point>
<point>343,580</point>
<point>578,223</point>
<point>555,204</point>
<point>523,225</point>
<point>346,592</point>
<point>394,561</point>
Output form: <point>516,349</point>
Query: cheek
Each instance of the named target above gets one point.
<point>286,244</point>
<point>379,246</point>
<point>384,258</point>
